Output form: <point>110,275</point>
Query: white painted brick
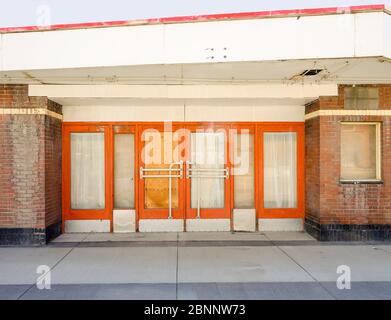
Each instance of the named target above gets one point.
<point>244,220</point>
<point>280,224</point>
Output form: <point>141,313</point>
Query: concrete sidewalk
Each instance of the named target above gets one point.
<point>196,266</point>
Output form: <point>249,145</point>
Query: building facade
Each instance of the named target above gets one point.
<point>241,122</point>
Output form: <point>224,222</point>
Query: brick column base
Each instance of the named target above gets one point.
<point>338,211</point>
<point>30,167</point>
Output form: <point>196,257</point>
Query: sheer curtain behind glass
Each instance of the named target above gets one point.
<point>244,171</point>
<point>280,170</point>
<point>87,171</point>
<point>124,171</point>
<point>208,152</point>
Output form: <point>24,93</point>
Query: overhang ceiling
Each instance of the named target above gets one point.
<point>339,71</point>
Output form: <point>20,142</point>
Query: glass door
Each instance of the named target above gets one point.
<point>161,173</point>
<point>207,174</point>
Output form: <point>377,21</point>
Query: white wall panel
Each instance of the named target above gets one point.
<point>83,48</point>
<point>387,36</point>
<point>161,225</point>
<point>194,111</point>
<point>280,224</point>
<point>243,112</point>
<point>328,36</point>
<point>161,112</point>
<point>247,91</point>
<point>77,226</point>
<point>369,35</point>
<point>262,39</point>
<point>208,225</point>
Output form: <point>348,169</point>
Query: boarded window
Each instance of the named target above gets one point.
<point>360,147</point>
<point>361,98</point>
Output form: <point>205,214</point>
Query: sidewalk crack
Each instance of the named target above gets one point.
<point>177,266</point>
<point>301,267</point>
<point>52,268</point>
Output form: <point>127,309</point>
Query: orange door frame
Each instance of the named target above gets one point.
<point>178,213</point>
<point>75,214</point>
<point>111,128</point>
<point>237,127</point>
<point>209,213</point>
<point>124,129</point>
<point>297,212</point>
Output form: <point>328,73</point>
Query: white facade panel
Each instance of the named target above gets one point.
<point>280,224</point>
<point>191,112</point>
<point>161,225</point>
<point>124,221</point>
<point>263,39</point>
<point>306,37</point>
<point>247,91</point>
<point>244,220</point>
<point>78,226</point>
<point>83,48</point>
<point>139,112</point>
<point>208,225</point>
<point>210,111</point>
<point>369,34</point>
<point>387,36</point>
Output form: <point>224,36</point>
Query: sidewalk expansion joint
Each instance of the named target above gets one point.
<point>51,269</point>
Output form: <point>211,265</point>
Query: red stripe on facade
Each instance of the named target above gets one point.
<point>203,18</point>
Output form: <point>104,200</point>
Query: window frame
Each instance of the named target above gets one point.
<point>111,128</point>
<point>124,129</point>
<point>251,127</point>
<point>85,214</point>
<point>277,213</point>
<point>378,143</point>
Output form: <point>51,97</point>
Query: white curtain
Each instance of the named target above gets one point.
<point>87,171</point>
<point>243,170</point>
<point>280,170</point>
<point>124,171</point>
<point>208,152</point>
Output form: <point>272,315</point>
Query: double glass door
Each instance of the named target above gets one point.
<point>184,173</point>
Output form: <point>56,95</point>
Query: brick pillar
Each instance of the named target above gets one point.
<point>30,167</point>
<point>334,210</point>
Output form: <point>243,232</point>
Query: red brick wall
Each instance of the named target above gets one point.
<point>327,200</point>
<point>312,170</point>
<point>53,170</point>
<point>30,162</point>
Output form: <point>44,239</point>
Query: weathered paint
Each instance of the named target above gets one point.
<point>203,18</point>
<point>311,37</point>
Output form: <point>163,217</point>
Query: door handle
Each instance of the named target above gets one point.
<point>180,163</point>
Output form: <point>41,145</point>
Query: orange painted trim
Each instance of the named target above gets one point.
<point>143,213</point>
<point>114,130</point>
<point>68,212</point>
<point>298,212</point>
<point>111,128</point>
<point>218,213</point>
<point>251,127</point>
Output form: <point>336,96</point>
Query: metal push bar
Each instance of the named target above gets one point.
<point>170,170</point>
<point>200,173</point>
<point>222,173</point>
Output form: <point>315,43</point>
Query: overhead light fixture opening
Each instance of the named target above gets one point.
<point>310,72</point>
